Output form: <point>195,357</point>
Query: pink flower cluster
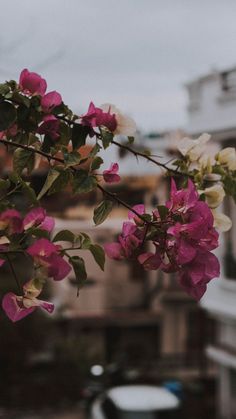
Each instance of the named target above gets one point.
<point>96,117</point>
<point>182,240</point>
<point>33,84</point>
<point>46,257</point>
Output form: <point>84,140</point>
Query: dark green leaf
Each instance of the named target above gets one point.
<point>79,135</point>
<point>23,159</point>
<point>65,133</point>
<point>29,191</point>
<point>96,163</point>
<point>51,177</point>
<point>107,137</point>
<point>79,269</point>
<point>72,159</point>
<point>83,182</point>
<point>7,115</point>
<point>98,254</point>
<point>163,211</point>
<point>4,89</point>
<point>21,99</point>
<point>60,182</point>
<point>102,211</point>
<point>64,236</point>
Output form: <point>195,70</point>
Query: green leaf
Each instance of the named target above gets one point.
<point>21,99</point>
<point>163,211</point>
<point>51,177</point>
<point>95,150</point>
<point>85,241</point>
<point>64,236</point>
<point>102,211</point>
<point>96,163</point>
<point>98,254</point>
<point>7,115</point>
<point>79,269</point>
<point>60,182</point>
<point>65,133</point>
<point>72,159</point>
<point>4,89</point>
<point>79,135</point>
<point>83,182</point>
<point>29,191</point>
<point>23,159</point>
<point>107,137</point>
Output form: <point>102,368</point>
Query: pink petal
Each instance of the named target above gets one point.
<point>140,209</point>
<point>32,83</point>
<point>114,251</point>
<point>58,268</point>
<point>41,248</point>
<point>50,101</point>
<point>48,224</point>
<point>35,217</point>
<point>150,261</point>
<point>13,307</point>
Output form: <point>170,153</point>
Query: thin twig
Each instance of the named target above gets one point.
<point>145,156</point>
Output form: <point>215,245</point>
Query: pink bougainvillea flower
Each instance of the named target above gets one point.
<point>150,261</point>
<point>41,248</point>
<point>50,101</point>
<point>96,117</point>
<point>37,218</point>
<point>183,199</point>
<point>17,307</point>
<point>128,242</point>
<point>114,251</point>
<point>195,276</point>
<point>12,221</point>
<point>32,83</point>
<point>46,254</point>
<point>140,209</point>
<point>110,175</point>
<point>58,268</point>
<point>50,127</point>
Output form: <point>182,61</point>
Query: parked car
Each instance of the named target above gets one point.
<point>136,402</point>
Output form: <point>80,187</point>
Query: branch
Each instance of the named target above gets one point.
<point>145,156</point>
<point>34,150</point>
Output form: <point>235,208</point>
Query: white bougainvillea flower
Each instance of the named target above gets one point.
<point>227,157</point>
<point>193,149</point>
<point>125,124</point>
<point>221,221</point>
<point>214,195</point>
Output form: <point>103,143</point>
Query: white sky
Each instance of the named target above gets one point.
<point>136,54</point>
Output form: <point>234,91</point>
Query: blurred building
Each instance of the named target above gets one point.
<point>212,109</point>
<point>144,317</point>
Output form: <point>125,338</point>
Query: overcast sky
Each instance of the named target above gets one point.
<point>136,54</point>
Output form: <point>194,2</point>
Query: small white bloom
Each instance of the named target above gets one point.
<point>125,124</point>
<point>214,195</point>
<point>221,221</point>
<point>227,157</point>
<point>193,148</point>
